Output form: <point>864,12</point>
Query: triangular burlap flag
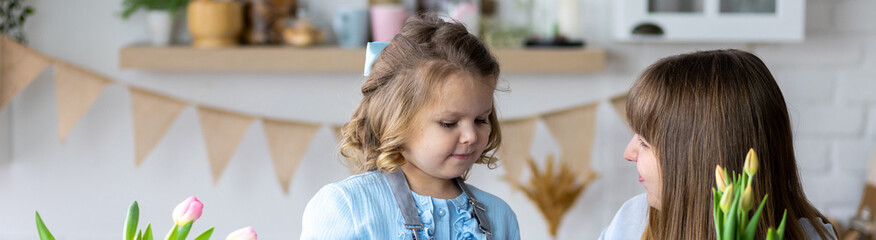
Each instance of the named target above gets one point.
<point>620,106</point>
<point>19,66</point>
<point>288,142</point>
<point>516,143</point>
<point>153,115</point>
<point>336,130</point>
<point>222,133</point>
<point>574,130</point>
<point>76,89</point>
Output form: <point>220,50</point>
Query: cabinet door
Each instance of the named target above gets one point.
<point>709,20</point>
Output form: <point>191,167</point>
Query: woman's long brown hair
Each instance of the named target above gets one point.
<point>701,109</point>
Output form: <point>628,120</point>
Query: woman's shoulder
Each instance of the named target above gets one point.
<point>629,221</point>
<point>810,230</point>
<point>636,204</point>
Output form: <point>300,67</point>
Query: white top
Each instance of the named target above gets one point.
<point>630,221</point>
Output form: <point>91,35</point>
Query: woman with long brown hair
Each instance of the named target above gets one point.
<point>692,112</point>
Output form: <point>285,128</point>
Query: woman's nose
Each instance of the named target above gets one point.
<point>631,152</point>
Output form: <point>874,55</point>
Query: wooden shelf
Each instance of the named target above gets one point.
<point>332,59</point>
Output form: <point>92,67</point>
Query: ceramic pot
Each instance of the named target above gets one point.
<point>160,25</point>
<point>214,24</point>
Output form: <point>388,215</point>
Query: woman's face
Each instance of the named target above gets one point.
<point>639,151</point>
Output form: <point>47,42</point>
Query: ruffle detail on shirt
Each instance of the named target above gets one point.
<point>426,214</point>
<point>465,225</point>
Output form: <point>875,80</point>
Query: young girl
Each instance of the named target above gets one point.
<point>692,112</point>
<point>425,118</point>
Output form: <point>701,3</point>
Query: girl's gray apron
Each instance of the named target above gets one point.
<point>402,193</point>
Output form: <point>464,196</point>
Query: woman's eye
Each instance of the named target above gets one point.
<point>643,144</point>
<point>448,124</point>
<point>481,121</point>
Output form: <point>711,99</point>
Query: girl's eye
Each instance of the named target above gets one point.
<point>448,124</point>
<point>481,121</point>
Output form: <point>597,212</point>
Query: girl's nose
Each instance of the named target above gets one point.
<point>631,153</point>
<point>469,135</point>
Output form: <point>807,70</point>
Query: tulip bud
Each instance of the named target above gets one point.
<point>727,199</point>
<point>246,233</point>
<point>187,211</point>
<point>750,166</point>
<point>747,199</point>
<point>720,178</point>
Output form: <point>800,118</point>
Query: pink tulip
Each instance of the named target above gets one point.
<point>187,211</point>
<point>246,233</point>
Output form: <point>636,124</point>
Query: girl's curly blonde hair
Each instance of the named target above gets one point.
<point>422,56</point>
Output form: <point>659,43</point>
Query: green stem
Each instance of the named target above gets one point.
<point>183,231</point>
<point>172,234</point>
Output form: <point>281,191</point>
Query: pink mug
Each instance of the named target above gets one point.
<point>386,21</point>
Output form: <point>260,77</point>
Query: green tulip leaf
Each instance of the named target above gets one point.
<point>42,229</point>
<point>148,234</point>
<point>781,231</point>
<point>172,234</point>
<point>206,235</point>
<point>731,221</point>
<point>771,234</point>
<point>716,212</point>
<point>131,222</point>
<point>752,226</point>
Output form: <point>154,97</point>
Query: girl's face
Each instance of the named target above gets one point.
<point>452,131</point>
<point>639,151</point>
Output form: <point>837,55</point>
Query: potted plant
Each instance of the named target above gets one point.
<point>14,13</point>
<point>160,16</point>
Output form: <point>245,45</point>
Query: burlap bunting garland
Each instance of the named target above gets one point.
<point>574,130</point>
<point>222,132</point>
<point>516,144</point>
<point>19,66</point>
<point>76,89</point>
<point>153,113</point>
<point>288,142</point>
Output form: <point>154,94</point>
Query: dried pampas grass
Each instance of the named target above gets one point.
<point>553,193</point>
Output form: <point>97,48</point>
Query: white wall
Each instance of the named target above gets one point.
<point>83,186</point>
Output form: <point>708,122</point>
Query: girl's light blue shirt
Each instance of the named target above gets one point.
<point>630,221</point>
<point>363,207</point>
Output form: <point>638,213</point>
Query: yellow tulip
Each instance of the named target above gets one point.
<point>747,199</point>
<point>750,166</point>
<point>720,178</point>
<point>727,199</point>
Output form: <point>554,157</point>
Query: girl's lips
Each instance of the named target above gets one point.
<point>461,156</point>
<point>641,179</point>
